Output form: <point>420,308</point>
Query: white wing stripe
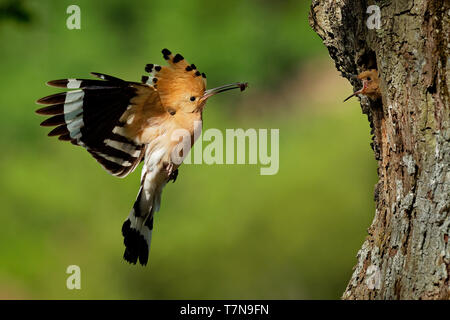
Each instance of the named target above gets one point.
<point>125,147</point>
<point>114,159</point>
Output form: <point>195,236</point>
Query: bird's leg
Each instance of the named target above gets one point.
<point>169,168</point>
<point>173,176</point>
<point>171,173</point>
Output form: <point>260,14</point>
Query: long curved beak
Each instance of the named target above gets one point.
<point>237,85</point>
<point>359,91</point>
<point>354,94</point>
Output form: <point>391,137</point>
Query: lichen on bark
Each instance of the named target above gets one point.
<point>406,253</point>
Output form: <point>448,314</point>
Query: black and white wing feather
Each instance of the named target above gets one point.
<point>90,117</point>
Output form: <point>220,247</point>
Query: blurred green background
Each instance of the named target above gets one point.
<point>224,231</point>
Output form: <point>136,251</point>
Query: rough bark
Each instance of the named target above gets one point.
<point>406,253</point>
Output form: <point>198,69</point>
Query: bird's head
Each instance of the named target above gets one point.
<point>181,86</point>
<point>370,84</point>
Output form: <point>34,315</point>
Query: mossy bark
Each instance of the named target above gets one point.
<point>406,253</point>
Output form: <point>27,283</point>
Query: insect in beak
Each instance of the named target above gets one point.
<point>364,81</point>
<point>237,85</point>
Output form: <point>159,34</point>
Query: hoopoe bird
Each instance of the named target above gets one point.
<point>121,123</point>
<point>371,85</point>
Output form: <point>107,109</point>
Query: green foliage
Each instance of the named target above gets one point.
<point>14,10</point>
<point>223,231</point>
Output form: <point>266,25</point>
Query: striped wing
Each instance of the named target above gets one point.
<point>91,117</point>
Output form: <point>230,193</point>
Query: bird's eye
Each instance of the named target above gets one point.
<point>192,98</point>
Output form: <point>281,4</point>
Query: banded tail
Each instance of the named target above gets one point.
<point>137,234</point>
<point>137,229</point>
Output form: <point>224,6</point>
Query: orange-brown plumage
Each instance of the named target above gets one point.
<point>371,85</point>
<point>173,98</point>
<point>178,82</point>
<point>169,101</point>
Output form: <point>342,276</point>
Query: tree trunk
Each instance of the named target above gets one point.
<point>406,253</point>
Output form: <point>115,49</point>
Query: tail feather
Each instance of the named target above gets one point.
<point>137,238</point>
<point>137,232</point>
<point>137,229</point>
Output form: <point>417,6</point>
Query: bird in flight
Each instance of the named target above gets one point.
<point>121,123</point>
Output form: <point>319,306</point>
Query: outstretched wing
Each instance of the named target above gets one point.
<point>97,115</point>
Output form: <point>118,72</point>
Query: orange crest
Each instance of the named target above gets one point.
<point>176,83</point>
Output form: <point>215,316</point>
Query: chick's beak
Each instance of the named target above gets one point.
<point>237,85</point>
<point>362,90</point>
